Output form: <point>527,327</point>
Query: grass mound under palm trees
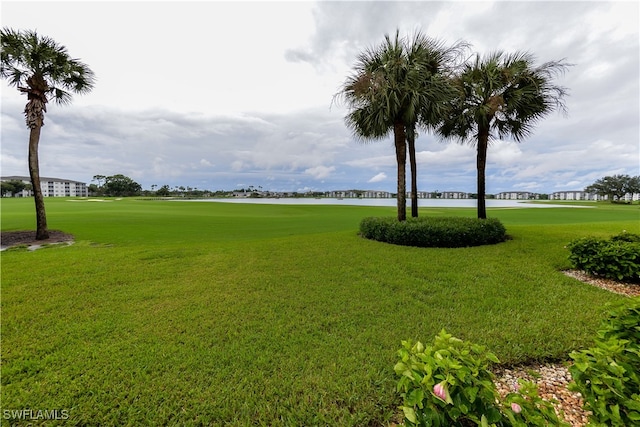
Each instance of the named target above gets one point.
<point>434,232</point>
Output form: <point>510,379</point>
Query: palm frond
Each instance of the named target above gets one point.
<point>31,59</point>
<point>505,93</point>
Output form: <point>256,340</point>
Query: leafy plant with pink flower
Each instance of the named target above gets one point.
<point>607,375</point>
<point>449,384</point>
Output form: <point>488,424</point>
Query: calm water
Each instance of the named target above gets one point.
<point>426,203</point>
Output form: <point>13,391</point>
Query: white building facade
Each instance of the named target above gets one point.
<point>517,195</point>
<point>575,195</point>
<point>52,187</point>
<point>374,194</point>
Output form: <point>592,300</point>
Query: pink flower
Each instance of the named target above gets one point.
<point>516,408</point>
<point>440,390</point>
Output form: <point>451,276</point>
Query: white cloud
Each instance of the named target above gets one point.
<point>504,153</point>
<point>379,177</point>
<point>373,162</point>
<point>449,156</point>
<point>320,172</point>
<point>528,186</point>
<point>237,166</point>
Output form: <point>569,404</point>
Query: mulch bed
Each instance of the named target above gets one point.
<point>622,288</point>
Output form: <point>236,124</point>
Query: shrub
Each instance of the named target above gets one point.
<point>439,232</point>
<point>608,375</point>
<point>616,258</point>
<point>626,237</point>
<point>449,384</point>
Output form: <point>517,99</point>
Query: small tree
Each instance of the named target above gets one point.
<point>13,187</point>
<point>163,191</point>
<point>93,189</point>
<point>5,188</point>
<point>120,185</point>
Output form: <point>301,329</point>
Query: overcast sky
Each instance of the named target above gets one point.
<point>223,95</point>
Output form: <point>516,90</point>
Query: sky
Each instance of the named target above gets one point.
<point>226,95</point>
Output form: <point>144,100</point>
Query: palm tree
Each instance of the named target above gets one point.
<point>428,89</point>
<point>501,95</point>
<point>43,70</point>
<point>397,86</point>
<point>375,95</point>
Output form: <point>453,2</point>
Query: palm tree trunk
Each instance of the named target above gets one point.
<point>411,141</point>
<point>42,232</point>
<point>481,164</point>
<point>401,158</point>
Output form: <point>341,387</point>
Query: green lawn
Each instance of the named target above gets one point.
<point>172,313</point>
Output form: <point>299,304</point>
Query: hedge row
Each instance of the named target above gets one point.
<point>434,232</point>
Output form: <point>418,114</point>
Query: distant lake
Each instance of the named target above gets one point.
<point>425,203</point>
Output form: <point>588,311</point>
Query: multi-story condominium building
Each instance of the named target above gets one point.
<point>52,187</point>
<point>454,195</point>
<point>373,194</point>
<point>342,194</point>
<point>582,195</point>
<point>440,195</point>
<point>575,195</point>
<point>517,195</point>
<point>421,194</point>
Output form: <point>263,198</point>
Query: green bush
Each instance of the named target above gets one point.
<point>626,237</point>
<point>608,375</point>
<point>438,232</point>
<point>449,384</point>
<point>615,258</point>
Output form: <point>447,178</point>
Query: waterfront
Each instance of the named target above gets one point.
<point>423,203</point>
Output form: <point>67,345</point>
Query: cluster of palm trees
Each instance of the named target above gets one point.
<point>417,82</point>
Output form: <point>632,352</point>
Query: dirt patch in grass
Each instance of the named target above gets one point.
<point>28,238</point>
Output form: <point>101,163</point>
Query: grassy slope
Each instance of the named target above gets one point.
<point>187,313</point>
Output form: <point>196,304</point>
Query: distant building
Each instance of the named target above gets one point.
<point>517,195</point>
<point>454,195</point>
<point>441,195</point>
<point>575,195</point>
<point>52,187</point>
<point>583,195</point>
<point>339,194</point>
<point>374,194</point>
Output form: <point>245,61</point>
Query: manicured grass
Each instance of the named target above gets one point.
<point>171,313</point>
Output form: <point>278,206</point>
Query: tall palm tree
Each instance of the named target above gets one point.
<point>501,95</point>
<point>375,95</point>
<point>429,65</point>
<point>43,70</point>
<point>397,86</point>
